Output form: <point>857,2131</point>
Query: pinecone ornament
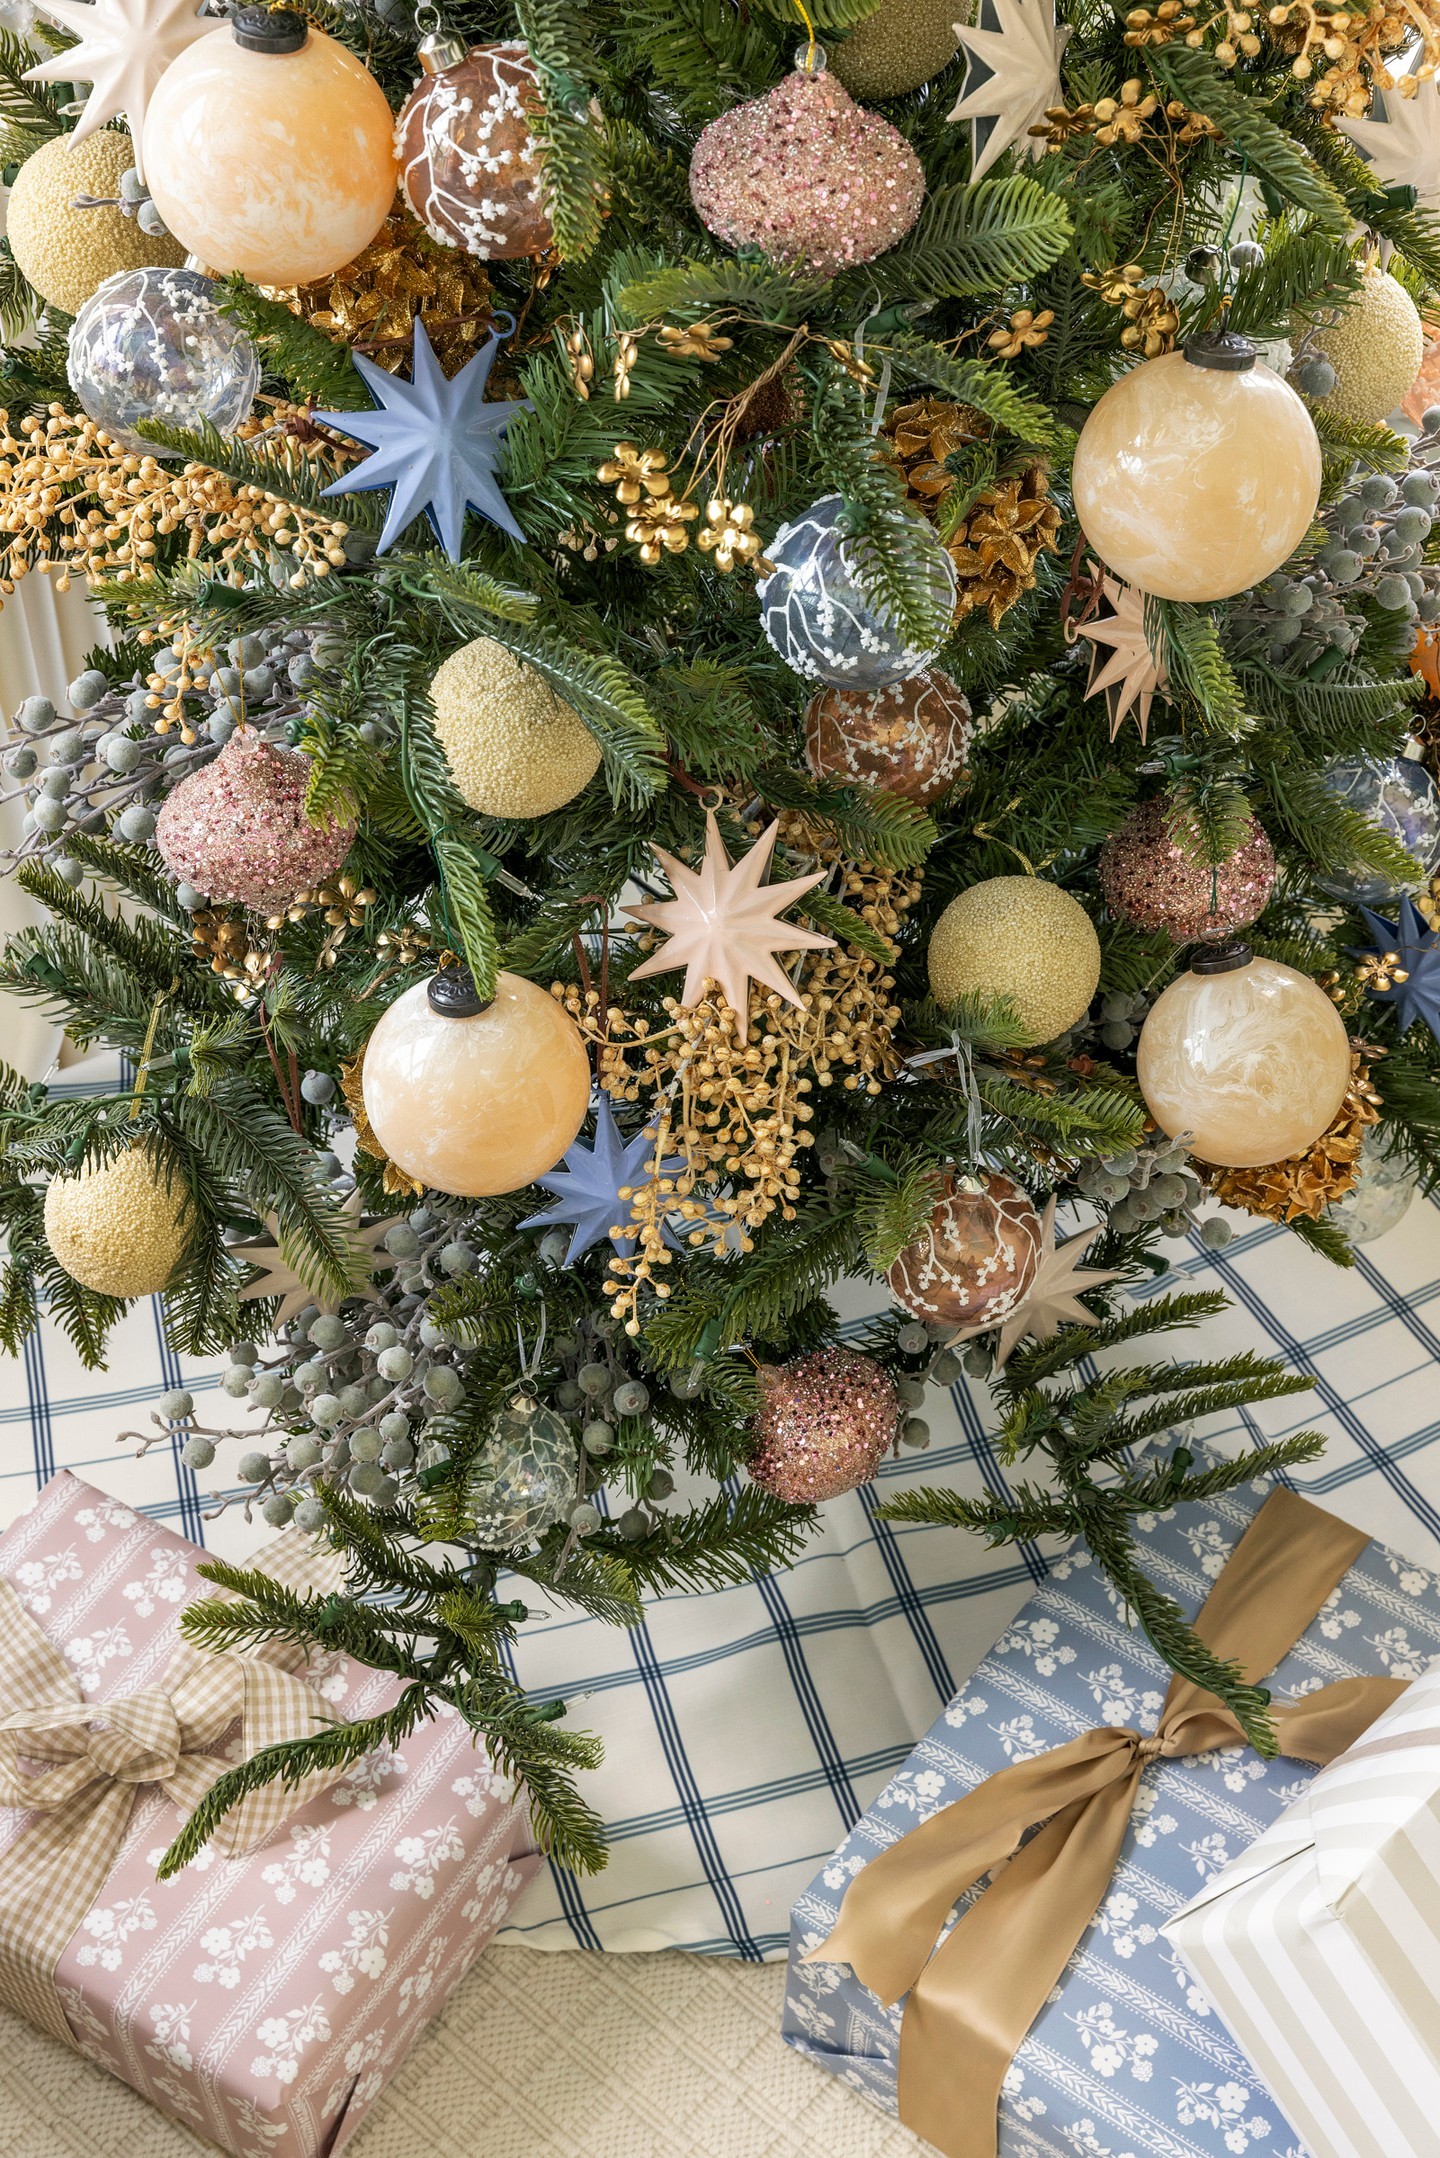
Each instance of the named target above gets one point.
<point>1006,526</point>
<point>403,274</point>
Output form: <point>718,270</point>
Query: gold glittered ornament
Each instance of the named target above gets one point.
<point>1023,939</point>
<point>1375,345</point>
<point>373,303</point>
<point>1006,525</point>
<point>1301,1187</point>
<point>514,748</point>
<point>120,1227</point>
<point>65,253</point>
<point>902,45</point>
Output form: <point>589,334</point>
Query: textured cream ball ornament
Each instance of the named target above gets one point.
<point>65,253</point>
<point>1021,938</point>
<point>1243,1056</point>
<point>271,151</point>
<point>1197,474</point>
<point>120,1227</point>
<point>471,1097</point>
<point>514,748</point>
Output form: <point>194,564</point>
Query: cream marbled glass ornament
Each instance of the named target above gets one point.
<point>1195,481</point>
<point>476,1102</point>
<point>1252,1062</point>
<point>278,162</point>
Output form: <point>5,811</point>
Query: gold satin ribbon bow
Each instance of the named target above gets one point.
<point>973,1999</point>
<point>88,1761</point>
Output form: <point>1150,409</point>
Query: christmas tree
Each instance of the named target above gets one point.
<point>697,705</point>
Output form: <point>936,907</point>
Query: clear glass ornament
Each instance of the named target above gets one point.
<point>1380,1198</point>
<point>525,1480</point>
<point>153,345</point>
<point>815,613</point>
<point>1398,794</point>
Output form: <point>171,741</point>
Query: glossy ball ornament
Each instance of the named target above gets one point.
<point>270,151</point>
<point>1193,480</point>
<point>1375,348</point>
<point>815,612</point>
<point>1379,1199</point>
<point>825,1423</point>
<point>152,345</point>
<point>807,176</point>
<point>237,830</point>
<point>474,1098</point>
<point>976,1259</point>
<point>514,748</point>
<point>911,738</point>
<point>470,167</point>
<point>525,1477</point>
<point>1398,795</point>
<point>1021,938</point>
<point>1151,877</point>
<point>902,45</point>
<point>65,253</point>
<point>1244,1057</point>
<point>117,1227</point>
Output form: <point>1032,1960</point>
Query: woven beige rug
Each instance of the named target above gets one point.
<point>536,2056</point>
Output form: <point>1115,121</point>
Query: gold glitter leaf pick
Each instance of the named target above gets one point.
<point>723,924</point>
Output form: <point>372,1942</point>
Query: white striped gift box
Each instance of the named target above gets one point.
<point>1320,1946</point>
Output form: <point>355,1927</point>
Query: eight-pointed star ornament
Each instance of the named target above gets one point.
<point>279,1276</point>
<point>723,924</point>
<point>125,47</point>
<point>587,1184</point>
<point>1403,146</point>
<point>1013,50</point>
<point>1053,1298</point>
<point>1131,677</point>
<point>1404,970</point>
<point>436,444</point>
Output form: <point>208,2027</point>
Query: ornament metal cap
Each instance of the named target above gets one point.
<point>1225,958</point>
<point>272,30</point>
<point>453,994</point>
<point>1226,352</point>
<point>440,50</point>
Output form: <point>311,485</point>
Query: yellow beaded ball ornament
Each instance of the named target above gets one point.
<point>115,1227</point>
<point>1375,348</point>
<point>514,748</point>
<point>1021,938</point>
<point>66,253</point>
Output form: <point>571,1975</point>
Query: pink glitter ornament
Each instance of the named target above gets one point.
<point>807,175</point>
<point>237,829</point>
<point>976,1259</point>
<point>1153,878</point>
<point>824,1426</point>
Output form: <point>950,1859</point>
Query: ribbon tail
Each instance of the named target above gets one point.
<point>982,1989</point>
<point>892,1913</point>
<point>53,1873</point>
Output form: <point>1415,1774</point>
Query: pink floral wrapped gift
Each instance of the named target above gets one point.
<point>262,1999</point>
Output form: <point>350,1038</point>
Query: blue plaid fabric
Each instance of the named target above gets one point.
<point>746,1731</point>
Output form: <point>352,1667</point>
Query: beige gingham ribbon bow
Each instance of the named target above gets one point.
<point>77,1767</point>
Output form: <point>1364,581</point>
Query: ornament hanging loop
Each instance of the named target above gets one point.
<point>810,60</point>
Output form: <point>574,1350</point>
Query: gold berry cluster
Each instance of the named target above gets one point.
<point>1338,47</point>
<point>71,498</point>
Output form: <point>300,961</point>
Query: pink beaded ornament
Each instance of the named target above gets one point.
<point>824,1425</point>
<point>237,829</point>
<point>1153,878</point>
<point>807,175</point>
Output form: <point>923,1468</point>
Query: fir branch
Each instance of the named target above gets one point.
<point>725,1542</point>
<point>33,109</point>
<point>608,699</point>
<point>568,142</point>
<point>313,367</point>
<point>1194,78</point>
<point>991,390</point>
<point>969,240</point>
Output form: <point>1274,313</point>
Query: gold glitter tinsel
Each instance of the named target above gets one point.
<point>737,1111</point>
<point>1302,1187</point>
<point>352,1073</point>
<point>994,536</point>
<point>71,499</point>
<point>372,304</point>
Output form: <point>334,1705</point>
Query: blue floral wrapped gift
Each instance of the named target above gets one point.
<point>1115,2053</point>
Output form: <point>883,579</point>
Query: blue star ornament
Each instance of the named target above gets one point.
<point>1404,970</point>
<point>436,441</point>
<point>586,1186</point>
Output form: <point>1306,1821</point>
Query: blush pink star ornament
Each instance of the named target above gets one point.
<point>723,923</point>
<point>1130,675</point>
<point>1052,1299</point>
<point>125,47</point>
